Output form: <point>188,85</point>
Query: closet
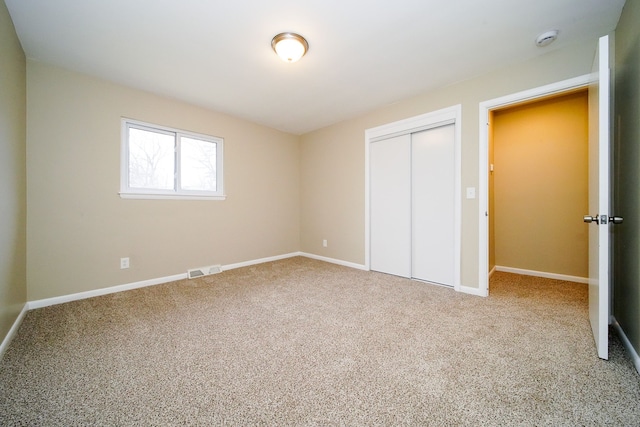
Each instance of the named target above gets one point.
<point>414,217</point>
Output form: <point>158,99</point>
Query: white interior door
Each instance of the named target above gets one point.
<point>390,205</point>
<point>433,205</point>
<point>599,200</point>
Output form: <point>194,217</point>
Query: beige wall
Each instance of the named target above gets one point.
<point>541,185</point>
<point>13,191</point>
<point>626,284</point>
<point>333,159</point>
<point>78,225</point>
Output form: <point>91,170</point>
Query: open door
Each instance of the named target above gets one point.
<point>599,199</point>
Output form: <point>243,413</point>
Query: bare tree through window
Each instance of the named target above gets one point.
<point>161,162</point>
<point>198,166</point>
<point>151,159</point>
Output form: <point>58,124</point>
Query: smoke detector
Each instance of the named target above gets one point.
<point>546,38</point>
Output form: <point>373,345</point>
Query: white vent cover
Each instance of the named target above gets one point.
<point>203,271</point>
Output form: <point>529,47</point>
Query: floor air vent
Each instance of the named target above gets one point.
<point>203,271</point>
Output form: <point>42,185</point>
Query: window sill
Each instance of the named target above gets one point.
<point>149,196</point>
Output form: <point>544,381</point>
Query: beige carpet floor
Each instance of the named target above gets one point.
<point>301,342</point>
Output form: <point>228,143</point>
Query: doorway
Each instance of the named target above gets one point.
<point>538,187</point>
<point>486,108</point>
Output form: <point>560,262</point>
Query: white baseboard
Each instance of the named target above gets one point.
<point>259,261</point>
<point>542,274</point>
<point>31,305</point>
<point>142,284</point>
<point>463,289</point>
<point>14,329</point>
<point>493,270</point>
<point>635,358</point>
<point>334,261</point>
<point>474,291</point>
<point>103,291</point>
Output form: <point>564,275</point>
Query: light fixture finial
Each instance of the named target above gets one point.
<point>290,47</point>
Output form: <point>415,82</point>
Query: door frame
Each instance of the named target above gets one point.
<point>485,108</point>
<point>450,115</point>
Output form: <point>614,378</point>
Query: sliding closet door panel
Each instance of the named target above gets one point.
<point>390,204</point>
<point>433,202</point>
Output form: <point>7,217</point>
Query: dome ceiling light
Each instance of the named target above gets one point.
<point>290,47</point>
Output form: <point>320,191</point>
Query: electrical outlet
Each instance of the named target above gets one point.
<point>124,263</point>
<point>324,243</point>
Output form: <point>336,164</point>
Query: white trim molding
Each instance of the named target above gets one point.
<point>335,261</point>
<point>544,274</point>
<point>46,302</point>
<point>483,158</point>
<point>474,291</point>
<point>142,284</point>
<point>31,305</point>
<point>259,261</point>
<point>635,358</point>
<point>14,329</point>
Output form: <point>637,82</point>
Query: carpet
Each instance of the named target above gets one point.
<point>303,342</point>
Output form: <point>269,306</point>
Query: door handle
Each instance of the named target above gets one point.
<point>602,219</point>
<point>615,220</point>
<point>589,219</point>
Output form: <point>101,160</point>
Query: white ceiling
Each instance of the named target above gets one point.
<point>363,53</point>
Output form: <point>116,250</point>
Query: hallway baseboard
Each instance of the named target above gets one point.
<point>544,274</point>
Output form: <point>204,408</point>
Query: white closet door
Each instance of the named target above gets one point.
<point>433,205</point>
<point>390,205</point>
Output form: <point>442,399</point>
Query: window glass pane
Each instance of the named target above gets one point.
<point>151,159</point>
<point>198,164</point>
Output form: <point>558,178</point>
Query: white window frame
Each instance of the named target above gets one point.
<point>127,192</point>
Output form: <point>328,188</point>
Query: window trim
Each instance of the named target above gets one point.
<point>127,192</point>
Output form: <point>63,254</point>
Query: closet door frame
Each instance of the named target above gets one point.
<point>445,116</point>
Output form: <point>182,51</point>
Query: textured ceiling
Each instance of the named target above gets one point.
<point>363,54</point>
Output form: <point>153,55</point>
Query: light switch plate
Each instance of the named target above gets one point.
<point>471,192</point>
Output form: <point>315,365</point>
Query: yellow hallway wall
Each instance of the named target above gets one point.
<point>541,185</point>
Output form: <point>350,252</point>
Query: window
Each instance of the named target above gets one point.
<point>163,163</point>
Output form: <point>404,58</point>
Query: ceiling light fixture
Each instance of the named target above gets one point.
<point>290,47</point>
<point>547,38</point>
